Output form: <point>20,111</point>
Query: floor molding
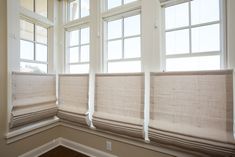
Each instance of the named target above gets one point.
<point>68,144</point>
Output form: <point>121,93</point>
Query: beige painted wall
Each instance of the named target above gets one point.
<point>120,149</point>
<point>231,33</point>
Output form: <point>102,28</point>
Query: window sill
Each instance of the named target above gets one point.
<point>31,129</point>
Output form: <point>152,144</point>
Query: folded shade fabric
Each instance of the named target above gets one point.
<point>193,107</point>
<point>73,97</point>
<point>119,103</point>
<point>33,98</point>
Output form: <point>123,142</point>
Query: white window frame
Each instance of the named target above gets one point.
<point>222,25</point>
<point>122,38</point>
<point>120,12</point>
<point>67,47</point>
<point>34,8</point>
<point>34,45</point>
<point>71,25</point>
<point>79,13</point>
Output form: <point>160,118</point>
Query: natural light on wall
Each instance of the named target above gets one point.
<point>192,36</point>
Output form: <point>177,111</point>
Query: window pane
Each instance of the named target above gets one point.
<point>115,49</point>
<point>27,4</point>
<point>205,11</point>
<point>26,50</point>
<point>125,66</point>
<point>115,29</point>
<point>206,38</point>
<point>177,16</point>
<point>193,63</point>
<point>114,3</point>
<point>41,53</point>
<point>26,30</point>
<point>33,67</point>
<point>73,10</point>
<point>80,68</point>
<point>85,8</point>
<point>132,25</point>
<point>73,38</point>
<point>41,35</point>
<point>128,1</point>
<point>85,36</point>
<point>177,42</point>
<point>85,57</point>
<point>41,7</point>
<point>132,47</point>
<point>73,55</point>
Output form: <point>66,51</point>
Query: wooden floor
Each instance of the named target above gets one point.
<point>62,152</point>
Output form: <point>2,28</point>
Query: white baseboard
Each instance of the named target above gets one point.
<point>69,144</point>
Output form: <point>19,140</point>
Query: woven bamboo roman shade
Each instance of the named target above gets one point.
<point>73,98</point>
<point>119,103</point>
<point>193,109</point>
<point>33,98</point>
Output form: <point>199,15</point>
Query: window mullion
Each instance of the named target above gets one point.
<point>190,30</point>
<point>34,41</point>
<point>34,6</point>
<point>79,47</point>
<point>122,38</point>
<point>80,11</point>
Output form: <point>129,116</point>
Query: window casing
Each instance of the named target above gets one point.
<point>193,36</point>
<point>120,54</point>
<point>78,50</point>
<point>33,48</point>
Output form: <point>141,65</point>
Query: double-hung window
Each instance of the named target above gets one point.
<point>78,55</point>
<point>33,47</point>
<point>78,36</point>
<point>193,38</point>
<point>123,44</point>
<point>34,36</point>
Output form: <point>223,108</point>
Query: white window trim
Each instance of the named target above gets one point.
<point>222,24</point>
<point>120,12</point>
<point>67,46</point>
<point>71,25</point>
<point>36,19</point>
<point>34,45</point>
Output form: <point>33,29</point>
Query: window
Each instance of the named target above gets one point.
<point>78,54</point>
<point>33,47</point>
<point>37,6</point>
<point>78,9</point>
<point>192,36</point>
<point>115,3</point>
<point>123,45</point>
